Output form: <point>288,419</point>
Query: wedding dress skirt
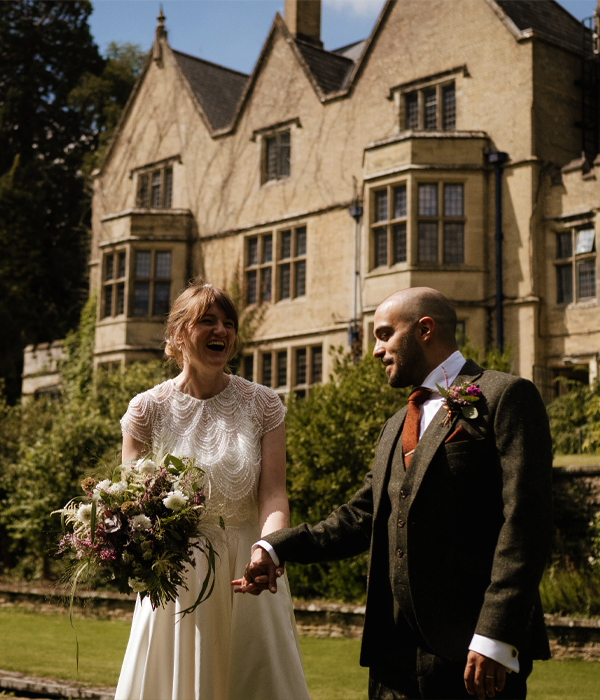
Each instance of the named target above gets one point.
<point>233,646</point>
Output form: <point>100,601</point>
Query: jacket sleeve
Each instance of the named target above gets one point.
<point>345,533</point>
<point>524,446</point>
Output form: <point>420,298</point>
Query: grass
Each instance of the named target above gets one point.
<point>576,460</point>
<point>44,645</point>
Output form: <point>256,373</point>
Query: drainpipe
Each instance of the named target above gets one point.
<point>355,212</point>
<point>498,158</point>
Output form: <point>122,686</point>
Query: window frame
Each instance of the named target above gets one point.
<point>145,187</point>
<point>152,281</point>
<point>115,282</point>
<point>421,92</point>
<point>388,224</point>
<point>441,219</point>
<point>283,166</point>
<point>313,370</point>
<point>277,265</point>
<point>567,258</point>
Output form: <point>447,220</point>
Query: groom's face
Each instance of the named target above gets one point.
<point>397,347</point>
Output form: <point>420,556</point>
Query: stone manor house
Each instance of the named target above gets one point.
<point>455,147</point>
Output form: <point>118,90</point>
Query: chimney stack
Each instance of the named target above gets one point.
<point>303,19</point>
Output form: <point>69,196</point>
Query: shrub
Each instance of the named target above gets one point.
<point>46,448</point>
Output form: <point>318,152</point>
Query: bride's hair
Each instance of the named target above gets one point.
<point>188,308</point>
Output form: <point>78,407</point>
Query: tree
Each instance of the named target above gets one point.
<point>100,98</point>
<point>47,133</point>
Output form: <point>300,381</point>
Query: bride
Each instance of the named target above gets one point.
<point>231,647</point>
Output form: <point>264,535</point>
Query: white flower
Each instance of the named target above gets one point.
<point>103,485</point>
<point>84,514</point>
<point>117,488</point>
<point>146,466</point>
<point>137,585</point>
<point>175,500</point>
<point>141,522</point>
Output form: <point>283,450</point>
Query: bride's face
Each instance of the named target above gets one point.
<point>209,341</point>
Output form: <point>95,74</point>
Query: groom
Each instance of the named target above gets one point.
<point>456,513</point>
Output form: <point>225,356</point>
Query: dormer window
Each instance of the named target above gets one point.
<point>155,188</point>
<point>277,153</point>
<point>430,109</point>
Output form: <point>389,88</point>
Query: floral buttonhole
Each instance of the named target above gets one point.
<point>459,399</point>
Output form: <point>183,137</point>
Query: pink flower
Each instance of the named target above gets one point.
<point>474,391</point>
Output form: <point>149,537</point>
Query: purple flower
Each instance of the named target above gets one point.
<point>474,391</point>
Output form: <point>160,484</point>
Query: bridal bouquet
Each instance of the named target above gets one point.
<point>140,528</point>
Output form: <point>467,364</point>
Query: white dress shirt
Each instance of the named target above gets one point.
<point>446,372</point>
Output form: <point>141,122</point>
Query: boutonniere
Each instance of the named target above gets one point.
<point>459,399</point>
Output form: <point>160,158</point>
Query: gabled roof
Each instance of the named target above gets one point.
<point>217,89</point>
<point>329,69</point>
<point>546,18</point>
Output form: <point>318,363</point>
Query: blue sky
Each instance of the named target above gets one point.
<point>231,32</point>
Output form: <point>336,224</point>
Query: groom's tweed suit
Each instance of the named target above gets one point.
<point>458,544</point>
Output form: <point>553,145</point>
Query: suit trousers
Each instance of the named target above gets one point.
<point>421,674</point>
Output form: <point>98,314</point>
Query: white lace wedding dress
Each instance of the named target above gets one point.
<point>234,646</point>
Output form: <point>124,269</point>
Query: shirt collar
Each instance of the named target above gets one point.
<point>451,365</point>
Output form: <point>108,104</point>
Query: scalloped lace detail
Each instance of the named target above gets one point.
<point>222,433</point>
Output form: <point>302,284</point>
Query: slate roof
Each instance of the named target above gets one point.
<point>217,89</point>
<point>329,69</point>
<point>546,17</point>
<point>352,51</point>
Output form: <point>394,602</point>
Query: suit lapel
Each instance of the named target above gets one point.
<point>436,433</point>
<point>390,441</point>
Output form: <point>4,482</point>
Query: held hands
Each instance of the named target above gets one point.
<point>260,574</point>
<point>483,676</point>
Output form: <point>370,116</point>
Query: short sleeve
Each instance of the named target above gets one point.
<point>269,408</point>
<point>139,418</point>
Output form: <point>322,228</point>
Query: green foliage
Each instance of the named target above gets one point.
<point>577,410</point>
<point>331,437</point>
<point>46,47</point>
<point>100,98</point>
<point>488,358</point>
<point>571,592</point>
<point>47,447</point>
<point>59,103</point>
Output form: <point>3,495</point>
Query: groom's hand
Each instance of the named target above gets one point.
<point>260,574</point>
<point>484,676</point>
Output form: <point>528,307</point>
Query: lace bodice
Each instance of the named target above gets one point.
<point>222,433</point>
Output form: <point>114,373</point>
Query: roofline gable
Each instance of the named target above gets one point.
<point>125,113</point>
<point>529,33</point>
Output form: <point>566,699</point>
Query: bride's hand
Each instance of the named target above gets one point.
<point>260,574</point>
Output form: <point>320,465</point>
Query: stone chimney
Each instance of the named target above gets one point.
<point>303,19</point>
<point>160,33</point>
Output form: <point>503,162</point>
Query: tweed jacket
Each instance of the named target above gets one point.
<point>477,532</point>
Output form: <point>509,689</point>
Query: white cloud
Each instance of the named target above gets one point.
<point>360,8</point>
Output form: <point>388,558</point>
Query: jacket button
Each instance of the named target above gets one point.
<point>399,553</point>
<point>403,493</point>
<point>400,523</point>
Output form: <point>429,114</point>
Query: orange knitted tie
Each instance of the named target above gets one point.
<point>410,431</point>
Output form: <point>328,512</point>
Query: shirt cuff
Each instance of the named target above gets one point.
<point>267,547</point>
<point>503,653</point>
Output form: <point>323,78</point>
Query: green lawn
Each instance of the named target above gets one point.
<point>576,460</point>
<point>44,645</point>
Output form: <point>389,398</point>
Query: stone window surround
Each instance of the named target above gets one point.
<point>113,249</point>
<point>165,171</point>
<point>269,269</point>
<point>285,362</point>
<point>438,81</point>
<point>411,220</point>
<point>573,260</point>
<point>261,136</point>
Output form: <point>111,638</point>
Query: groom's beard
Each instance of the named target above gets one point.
<point>410,366</point>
